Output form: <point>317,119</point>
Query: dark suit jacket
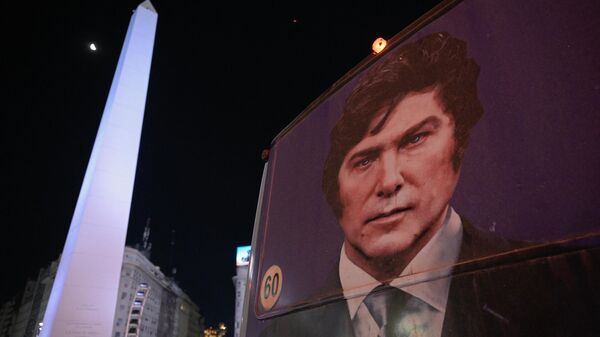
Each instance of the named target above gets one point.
<point>498,288</point>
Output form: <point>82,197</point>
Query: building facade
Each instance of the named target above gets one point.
<point>239,281</point>
<point>149,303</point>
<point>29,311</point>
<point>7,316</point>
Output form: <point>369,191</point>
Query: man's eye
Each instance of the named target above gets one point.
<point>414,139</point>
<point>364,162</point>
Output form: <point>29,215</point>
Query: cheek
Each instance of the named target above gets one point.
<point>435,175</point>
<point>350,220</point>
<point>355,189</point>
<point>441,186</point>
<point>350,204</point>
<point>354,198</point>
<point>345,194</point>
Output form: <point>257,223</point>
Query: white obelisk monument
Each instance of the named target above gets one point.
<point>84,293</point>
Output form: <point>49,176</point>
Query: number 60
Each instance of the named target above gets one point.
<point>271,287</point>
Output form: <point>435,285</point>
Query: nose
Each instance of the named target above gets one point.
<point>390,177</point>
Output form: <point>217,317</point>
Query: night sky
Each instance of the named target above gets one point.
<point>226,78</point>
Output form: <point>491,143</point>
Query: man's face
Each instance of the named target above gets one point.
<point>395,185</point>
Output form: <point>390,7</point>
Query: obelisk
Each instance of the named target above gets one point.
<point>84,293</point>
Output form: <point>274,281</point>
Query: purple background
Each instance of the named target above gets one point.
<point>531,169</point>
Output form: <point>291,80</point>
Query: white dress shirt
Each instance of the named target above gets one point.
<point>434,262</point>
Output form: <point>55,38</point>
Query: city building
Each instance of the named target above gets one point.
<point>29,309</point>
<point>7,316</point>
<point>239,281</point>
<point>149,304</point>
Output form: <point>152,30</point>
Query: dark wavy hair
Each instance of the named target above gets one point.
<point>435,62</point>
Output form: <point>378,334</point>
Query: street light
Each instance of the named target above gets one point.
<point>378,45</point>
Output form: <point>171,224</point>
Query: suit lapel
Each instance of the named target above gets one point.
<point>469,311</point>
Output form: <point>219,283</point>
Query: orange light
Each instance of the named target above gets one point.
<point>379,45</point>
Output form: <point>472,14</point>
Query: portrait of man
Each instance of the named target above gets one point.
<point>393,166</point>
<point>396,152</point>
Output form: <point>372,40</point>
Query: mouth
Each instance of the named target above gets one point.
<point>387,215</point>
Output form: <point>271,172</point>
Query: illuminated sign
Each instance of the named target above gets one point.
<point>242,258</point>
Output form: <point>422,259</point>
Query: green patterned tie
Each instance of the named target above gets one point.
<point>386,305</point>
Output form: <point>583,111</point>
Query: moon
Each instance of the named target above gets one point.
<point>92,46</point>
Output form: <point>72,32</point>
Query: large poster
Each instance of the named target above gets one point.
<point>448,188</point>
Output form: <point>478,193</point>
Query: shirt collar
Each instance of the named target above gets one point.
<point>433,262</point>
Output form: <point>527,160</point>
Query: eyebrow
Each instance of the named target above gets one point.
<point>370,151</point>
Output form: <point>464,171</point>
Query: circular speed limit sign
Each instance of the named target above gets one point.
<point>270,287</point>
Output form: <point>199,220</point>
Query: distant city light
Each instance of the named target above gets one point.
<point>212,332</point>
<point>379,45</point>
<point>93,46</point>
